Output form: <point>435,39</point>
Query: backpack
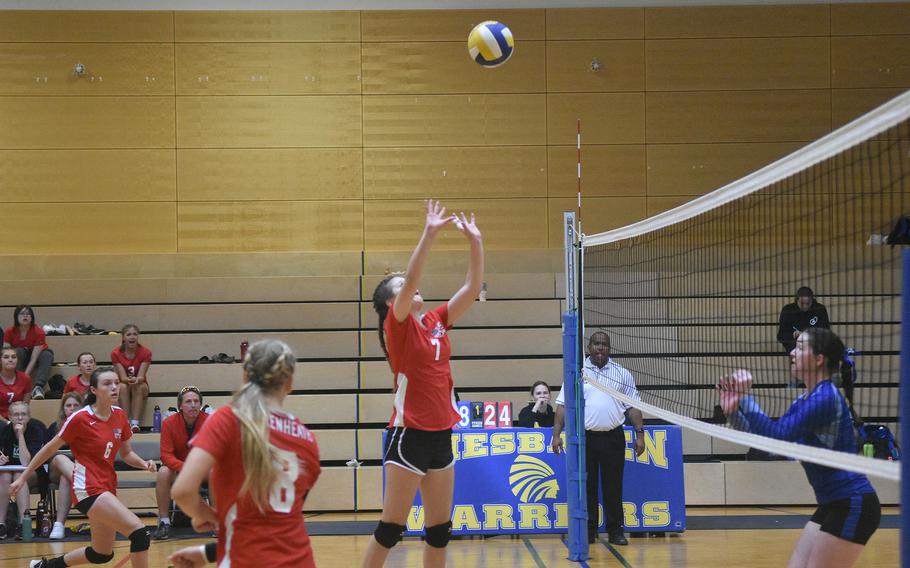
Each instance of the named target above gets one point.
<point>882,440</point>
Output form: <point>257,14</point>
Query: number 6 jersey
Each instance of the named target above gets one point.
<point>247,536</point>
<point>95,443</point>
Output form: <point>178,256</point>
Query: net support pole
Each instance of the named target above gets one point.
<point>904,409</point>
<point>576,492</point>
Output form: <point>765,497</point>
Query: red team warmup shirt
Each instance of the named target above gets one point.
<point>9,394</point>
<point>34,337</point>
<point>143,355</point>
<point>94,443</point>
<point>75,384</point>
<point>419,357</point>
<point>246,536</point>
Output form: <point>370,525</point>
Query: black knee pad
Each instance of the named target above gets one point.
<point>97,557</point>
<point>388,534</point>
<point>139,540</point>
<point>438,536</point>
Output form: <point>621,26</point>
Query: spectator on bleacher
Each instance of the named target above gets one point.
<point>35,358</point>
<point>20,439</point>
<point>538,413</point>
<point>176,432</point>
<point>79,383</point>
<point>62,466</point>
<point>14,384</point>
<point>799,316</point>
<point>132,360</point>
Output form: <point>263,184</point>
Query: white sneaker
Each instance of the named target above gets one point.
<point>37,393</point>
<point>58,531</point>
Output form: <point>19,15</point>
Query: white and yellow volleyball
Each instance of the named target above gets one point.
<point>490,43</point>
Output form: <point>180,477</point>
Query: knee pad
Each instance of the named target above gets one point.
<point>139,540</point>
<point>438,536</point>
<point>388,534</point>
<point>97,557</point>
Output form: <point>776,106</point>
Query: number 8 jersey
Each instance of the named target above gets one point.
<point>247,536</point>
<point>95,443</point>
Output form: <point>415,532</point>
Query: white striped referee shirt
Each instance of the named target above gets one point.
<point>602,411</point>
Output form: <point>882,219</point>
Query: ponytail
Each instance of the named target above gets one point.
<point>381,296</point>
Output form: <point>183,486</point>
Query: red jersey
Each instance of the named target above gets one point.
<point>131,366</point>
<point>247,536</point>
<point>419,354</point>
<point>22,386</point>
<point>75,384</point>
<point>175,439</point>
<point>34,337</point>
<point>94,443</point>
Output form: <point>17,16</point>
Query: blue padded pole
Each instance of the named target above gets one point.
<point>576,494</point>
<point>902,412</point>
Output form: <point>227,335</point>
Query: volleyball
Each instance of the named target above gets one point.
<point>490,43</point>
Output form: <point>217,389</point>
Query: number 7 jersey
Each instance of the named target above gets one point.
<point>277,535</point>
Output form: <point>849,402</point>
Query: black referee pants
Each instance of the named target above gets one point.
<point>605,457</point>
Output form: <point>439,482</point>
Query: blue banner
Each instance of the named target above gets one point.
<point>508,481</point>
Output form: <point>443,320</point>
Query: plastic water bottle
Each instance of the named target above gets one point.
<point>42,522</point>
<point>869,450</point>
<point>27,526</point>
<point>244,345</point>
<point>156,419</point>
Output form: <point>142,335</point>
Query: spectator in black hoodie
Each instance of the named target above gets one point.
<point>799,316</point>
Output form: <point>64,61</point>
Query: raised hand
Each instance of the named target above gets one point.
<point>732,388</point>
<point>467,226</point>
<point>436,217</point>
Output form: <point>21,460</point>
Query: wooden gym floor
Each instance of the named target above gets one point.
<point>746,548</point>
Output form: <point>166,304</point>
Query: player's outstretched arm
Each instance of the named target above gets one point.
<point>465,296</point>
<point>436,220</point>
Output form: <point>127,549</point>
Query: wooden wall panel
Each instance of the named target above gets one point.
<point>77,228</point>
<point>694,169</point>
<point>606,118</point>
<point>88,26</point>
<point>266,26</point>
<point>736,21</point>
<point>847,104</point>
<point>111,69</point>
<point>238,226</point>
<point>870,61</point>
<point>738,64</point>
<point>870,19</point>
<point>282,174</point>
<point>464,173</point>
<point>87,122</point>
<point>505,224</point>
<point>446,67</point>
<point>454,120</point>
<point>600,214</point>
<point>268,68</point>
<point>749,116</point>
<point>655,205</point>
<point>607,171</point>
<point>62,176</point>
<point>268,122</point>
<point>447,25</point>
<point>595,23</point>
<point>569,66</point>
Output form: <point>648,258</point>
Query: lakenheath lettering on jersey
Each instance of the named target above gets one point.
<point>290,426</point>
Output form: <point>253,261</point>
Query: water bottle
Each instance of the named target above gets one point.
<point>27,526</point>
<point>156,419</point>
<point>244,345</point>
<point>42,526</point>
<point>869,450</point>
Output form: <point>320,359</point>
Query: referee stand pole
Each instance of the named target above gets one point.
<point>903,409</point>
<point>576,492</point>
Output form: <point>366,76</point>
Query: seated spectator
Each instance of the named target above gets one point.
<point>176,432</point>
<point>80,383</point>
<point>538,413</point>
<point>799,316</point>
<point>35,359</point>
<point>14,385</point>
<point>20,439</point>
<point>62,466</point>
<point>132,360</point>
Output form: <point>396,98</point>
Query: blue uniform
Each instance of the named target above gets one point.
<point>821,419</point>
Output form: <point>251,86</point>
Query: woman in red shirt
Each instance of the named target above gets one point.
<point>132,360</point>
<point>95,434</point>
<point>14,385</point>
<point>418,445</point>
<point>35,359</point>
<point>79,383</point>
<point>260,484</point>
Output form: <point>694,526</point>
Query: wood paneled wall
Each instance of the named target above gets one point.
<point>321,131</point>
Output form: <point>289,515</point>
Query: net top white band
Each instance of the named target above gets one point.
<point>870,124</point>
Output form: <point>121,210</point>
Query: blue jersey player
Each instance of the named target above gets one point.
<point>849,510</point>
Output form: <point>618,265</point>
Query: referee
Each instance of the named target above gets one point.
<point>605,443</point>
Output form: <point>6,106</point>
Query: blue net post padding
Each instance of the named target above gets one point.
<point>904,407</point>
<point>576,495</point>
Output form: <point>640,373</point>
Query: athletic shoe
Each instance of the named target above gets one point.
<point>618,538</point>
<point>38,563</point>
<point>58,532</point>
<point>3,532</point>
<point>135,428</point>
<point>37,393</point>
<point>163,532</point>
